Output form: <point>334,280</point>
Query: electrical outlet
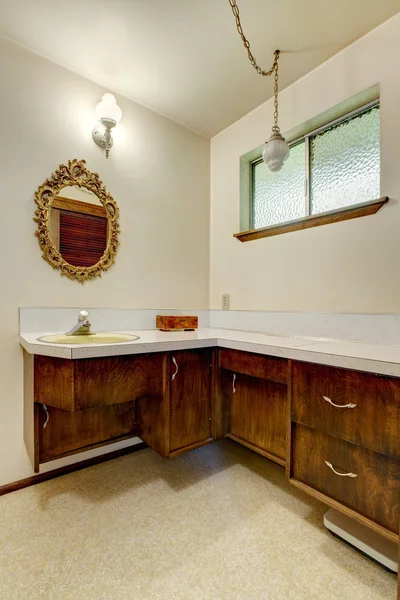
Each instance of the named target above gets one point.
<point>225,301</point>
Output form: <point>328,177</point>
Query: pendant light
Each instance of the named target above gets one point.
<point>276,150</point>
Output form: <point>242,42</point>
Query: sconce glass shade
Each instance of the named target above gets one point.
<point>107,110</point>
<point>275,151</point>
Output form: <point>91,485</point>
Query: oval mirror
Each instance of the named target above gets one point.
<point>77,222</point>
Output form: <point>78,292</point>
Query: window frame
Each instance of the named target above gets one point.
<point>306,139</point>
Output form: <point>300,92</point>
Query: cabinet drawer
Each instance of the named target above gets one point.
<point>93,382</point>
<point>68,432</point>
<point>255,365</point>
<point>373,417</point>
<point>374,493</point>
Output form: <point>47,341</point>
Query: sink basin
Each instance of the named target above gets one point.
<point>91,339</point>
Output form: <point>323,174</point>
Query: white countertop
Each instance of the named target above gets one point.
<point>375,358</point>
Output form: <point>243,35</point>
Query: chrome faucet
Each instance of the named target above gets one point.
<point>83,325</point>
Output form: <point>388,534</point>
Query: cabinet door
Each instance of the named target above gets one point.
<point>258,415</point>
<point>63,432</point>
<point>190,399</point>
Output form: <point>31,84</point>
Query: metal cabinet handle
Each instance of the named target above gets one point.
<point>176,367</point>
<point>47,416</point>
<point>353,475</point>
<point>350,405</point>
<point>233,383</point>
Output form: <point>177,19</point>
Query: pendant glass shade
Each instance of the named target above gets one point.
<point>275,151</point>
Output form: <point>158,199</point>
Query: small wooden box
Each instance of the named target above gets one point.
<point>169,323</point>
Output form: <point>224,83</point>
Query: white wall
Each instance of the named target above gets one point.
<point>351,266</point>
<point>158,173</point>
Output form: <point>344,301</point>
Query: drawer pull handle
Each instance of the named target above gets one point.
<point>233,383</point>
<point>350,405</point>
<point>353,475</point>
<point>47,416</point>
<point>176,368</point>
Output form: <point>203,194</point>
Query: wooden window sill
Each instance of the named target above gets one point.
<point>332,216</point>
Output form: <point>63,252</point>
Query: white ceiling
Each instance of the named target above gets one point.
<point>184,58</point>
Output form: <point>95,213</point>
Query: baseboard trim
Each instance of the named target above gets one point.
<point>89,462</point>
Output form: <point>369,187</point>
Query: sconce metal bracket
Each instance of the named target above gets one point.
<point>102,137</point>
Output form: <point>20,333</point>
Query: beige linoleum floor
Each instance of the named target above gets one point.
<point>219,523</point>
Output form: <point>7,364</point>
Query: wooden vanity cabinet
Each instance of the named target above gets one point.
<point>337,430</point>
<point>85,403</point>
<point>163,398</point>
<point>76,405</point>
<point>253,394</point>
<point>344,443</point>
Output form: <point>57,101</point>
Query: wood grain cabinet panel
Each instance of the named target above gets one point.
<point>190,399</point>
<point>53,382</point>
<point>255,365</point>
<point>94,382</point>
<point>374,421</point>
<point>152,415</point>
<point>258,415</point>
<point>68,432</point>
<point>152,423</point>
<point>373,493</point>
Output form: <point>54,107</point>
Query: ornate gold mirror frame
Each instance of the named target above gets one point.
<point>75,173</point>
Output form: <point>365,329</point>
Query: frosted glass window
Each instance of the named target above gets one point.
<point>339,163</point>
<point>279,197</point>
<point>345,163</point>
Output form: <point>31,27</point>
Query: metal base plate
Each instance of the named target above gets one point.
<point>370,543</point>
<point>99,136</point>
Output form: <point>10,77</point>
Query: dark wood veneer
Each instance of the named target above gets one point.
<point>67,432</point>
<point>375,421</point>
<point>153,415</point>
<point>190,399</point>
<point>93,382</point>
<point>256,365</point>
<point>374,493</point>
<point>222,400</point>
<point>258,415</point>
<point>251,394</point>
<point>53,382</point>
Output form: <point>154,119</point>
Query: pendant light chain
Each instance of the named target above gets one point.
<point>276,90</point>
<point>276,150</point>
<point>246,43</point>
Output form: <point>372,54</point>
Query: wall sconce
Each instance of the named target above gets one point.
<point>109,114</point>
